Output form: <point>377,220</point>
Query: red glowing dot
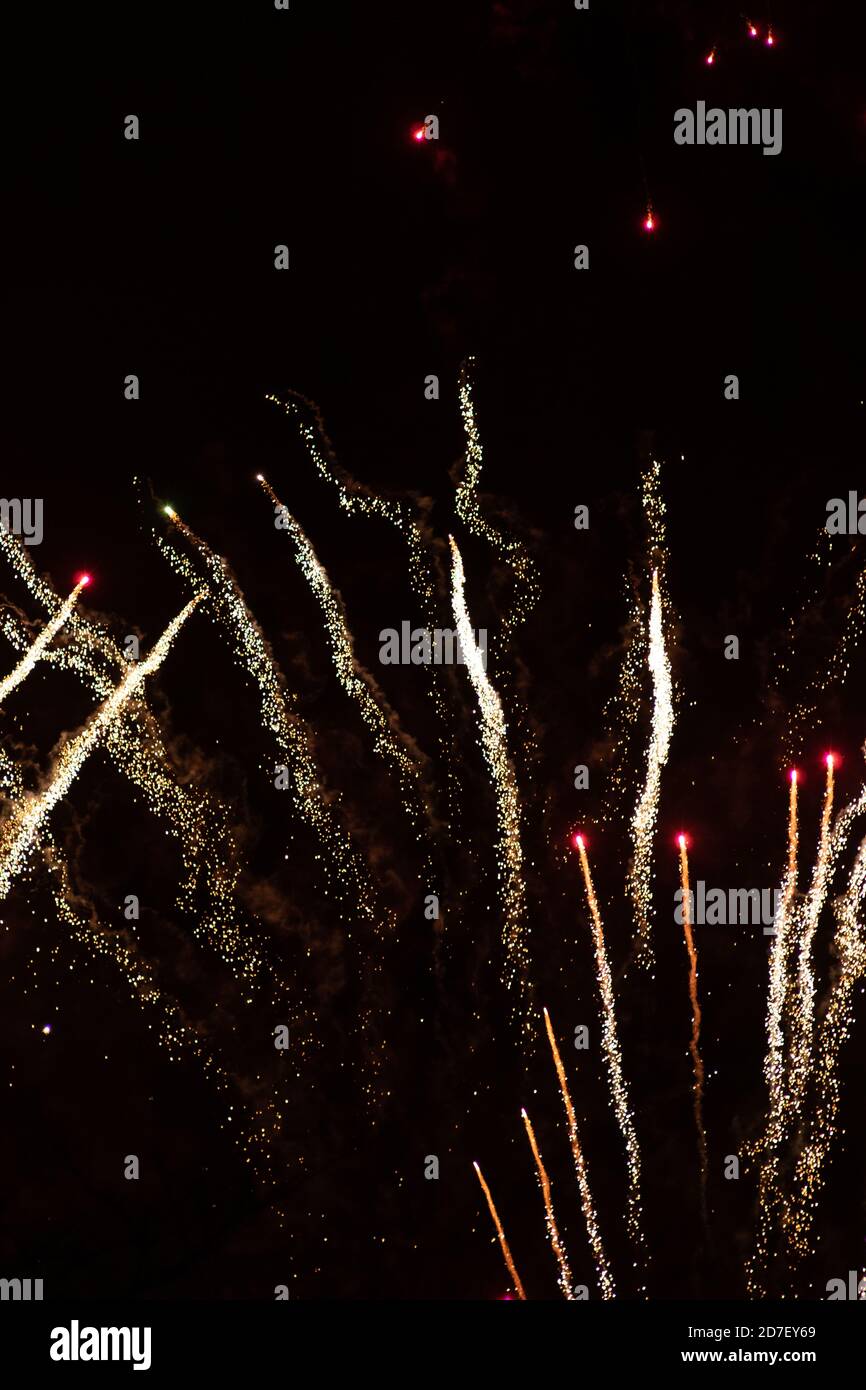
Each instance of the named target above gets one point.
<point>577,841</point>
<point>710,58</point>
<point>793,775</point>
<point>682,841</point>
<point>830,760</point>
<point>84,580</point>
<point>418,134</point>
<point>752,31</point>
<point>649,222</point>
<point>769,40</point>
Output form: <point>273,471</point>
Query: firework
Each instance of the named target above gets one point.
<point>646,812</point>
<point>28,814</point>
<point>494,742</point>
<point>27,662</point>
<point>613,1058</point>
<point>469,511</point>
<point>605,1279</point>
<point>389,741</point>
<point>556,1245</point>
<point>292,736</point>
<point>774,1064</point>
<point>849,949</point>
<point>509,1262</point>
<point>694,1046</point>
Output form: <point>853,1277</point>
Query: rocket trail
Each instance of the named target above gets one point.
<point>357,499</point>
<point>389,740</point>
<point>830,845</point>
<point>27,816</point>
<point>789,1083</point>
<point>605,1279</point>
<point>694,1046</point>
<point>775,1061</point>
<point>610,1045</point>
<point>509,1262</point>
<point>646,812</point>
<point>849,950</point>
<point>494,742</point>
<point>466,504</point>
<point>565,1280</point>
<point>29,660</point>
<point>290,732</point>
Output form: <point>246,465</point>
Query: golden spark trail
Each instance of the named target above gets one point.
<point>27,817</point>
<point>694,1046</point>
<point>610,1045</point>
<point>291,734</point>
<point>515,1277</point>
<point>801,1047</point>
<point>775,1060</point>
<point>466,505</point>
<point>29,660</point>
<point>565,1280</point>
<point>849,950</point>
<point>134,742</point>
<point>389,741</point>
<point>494,743</point>
<point>605,1279</point>
<point>646,812</point>
<point>789,1083</point>
<point>357,499</point>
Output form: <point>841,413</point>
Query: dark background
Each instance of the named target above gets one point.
<point>156,257</point>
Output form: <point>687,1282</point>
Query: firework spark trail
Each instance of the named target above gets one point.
<point>466,504</point>
<point>134,742</point>
<point>830,845</point>
<point>494,742</point>
<point>27,816</point>
<point>646,812</point>
<point>605,1279</point>
<point>29,660</point>
<point>389,740</point>
<point>610,1044</point>
<point>509,1262</point>
<point>290,732</point>
<point>694,1046</point>
<point>356,499</point>
<point>789,1082</point>
<point>849,949</point>
<point>556,1245</point>
<point>775,1059</point>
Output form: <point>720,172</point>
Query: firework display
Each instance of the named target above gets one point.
<point>432,678</point>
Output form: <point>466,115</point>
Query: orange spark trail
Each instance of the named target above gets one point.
<point>793,838</point>
<point>565,1281</point>
<point>610,1045</point>
<point>515,1277</point>
<point>694,1047</point>
<point>602,1269</point>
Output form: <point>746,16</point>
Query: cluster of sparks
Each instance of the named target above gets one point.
<point>803,1043</point>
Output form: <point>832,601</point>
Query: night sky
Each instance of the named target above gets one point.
<point>410,258</point>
